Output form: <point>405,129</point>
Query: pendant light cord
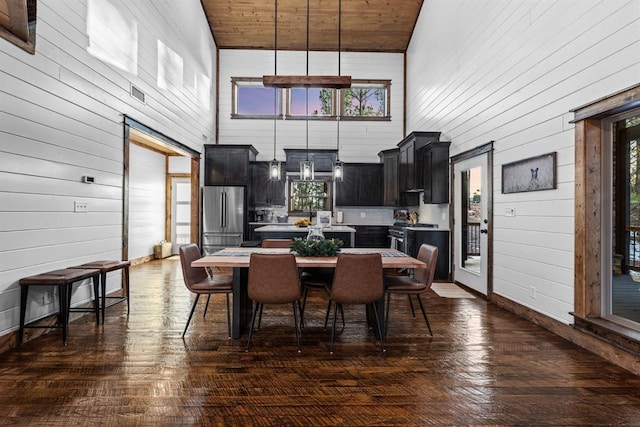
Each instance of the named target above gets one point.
<point>275,73</point>
<point>339,64</point>
<point>307,89</point>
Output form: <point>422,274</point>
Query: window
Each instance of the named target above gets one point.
<point>252,100</point>
<point>366,100</point>
<point>309,196</point>
<point>320,102</point>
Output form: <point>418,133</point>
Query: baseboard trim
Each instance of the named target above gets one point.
<point>609,352</point>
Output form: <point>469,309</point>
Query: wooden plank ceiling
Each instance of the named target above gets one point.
<point>367,25</point>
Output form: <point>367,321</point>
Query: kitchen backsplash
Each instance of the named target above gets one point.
<point>432,214</point>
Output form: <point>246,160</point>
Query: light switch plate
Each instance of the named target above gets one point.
<point>510,212</point>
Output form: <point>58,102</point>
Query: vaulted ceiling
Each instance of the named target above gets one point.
<point>366,25</point>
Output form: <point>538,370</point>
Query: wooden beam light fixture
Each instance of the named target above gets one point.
<point>307,81</point>
<point>334,82</point>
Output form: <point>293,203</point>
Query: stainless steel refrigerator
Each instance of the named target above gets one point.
<point>223,217</point>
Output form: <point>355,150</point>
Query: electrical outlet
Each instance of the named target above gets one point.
<point>532,292</point>
<point>363,214</point>
<point>510,212</point>
<point>80,206</point>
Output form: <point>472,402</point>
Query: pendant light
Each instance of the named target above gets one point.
<point>338,166</point>
<point>274,165</point>
<point>307,166</point>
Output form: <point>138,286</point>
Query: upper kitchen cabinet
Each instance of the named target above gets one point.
<point>410,163</point>
<point>389,160</point>
<point>228,164</point>
<point>265,192</point>
<point>435,159</point>
<point>322,159</point>
<point>362,185</point>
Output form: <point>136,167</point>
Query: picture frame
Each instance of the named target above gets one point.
<point>532,174</point>
<point>324,218</point>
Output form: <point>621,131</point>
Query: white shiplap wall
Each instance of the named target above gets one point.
<point>147,182</point>
<point>61,118</point>
<point>510,72</point>
<point>359,141</point>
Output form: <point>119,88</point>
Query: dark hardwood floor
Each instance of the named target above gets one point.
<point>484,366</point>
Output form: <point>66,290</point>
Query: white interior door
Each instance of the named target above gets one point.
<point>471,195</point>
<point>180,213</point>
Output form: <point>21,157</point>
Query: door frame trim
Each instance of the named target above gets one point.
<point>474,152</point>
<point>176,146</point>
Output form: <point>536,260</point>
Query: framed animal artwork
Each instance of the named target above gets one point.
<point>532,174</point>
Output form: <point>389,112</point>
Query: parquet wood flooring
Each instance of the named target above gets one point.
<point>484,366</point>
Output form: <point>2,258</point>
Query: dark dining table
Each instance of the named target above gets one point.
<point>238,258</point>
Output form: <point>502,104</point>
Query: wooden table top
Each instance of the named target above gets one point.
<point>239,257</point>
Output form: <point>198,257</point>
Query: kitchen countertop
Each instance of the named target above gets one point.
<point>347,224</point>
<point>289,228</point>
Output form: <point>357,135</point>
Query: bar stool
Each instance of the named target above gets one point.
<point>105,267</point>
<point>64,280</point>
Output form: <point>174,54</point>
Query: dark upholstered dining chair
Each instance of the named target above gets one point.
<point>273,279</point>
<point>358,279</point>
<point>276,243</point>
<point>418,284</point>
<point>200,283</point>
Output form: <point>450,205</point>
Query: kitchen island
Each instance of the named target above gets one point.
<point>288,231</point>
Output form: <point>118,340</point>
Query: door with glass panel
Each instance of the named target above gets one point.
<point>621,247</point>
<point>471,222</point>
<point>180,213</point>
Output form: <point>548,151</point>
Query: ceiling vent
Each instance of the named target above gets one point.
<point>137,94</point>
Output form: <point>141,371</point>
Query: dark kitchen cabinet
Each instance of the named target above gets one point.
<point>362,185</point>
<point>322,159</point>
<point>228,164</point>
<point>372,236</point>
<point>264,192</point>
<point>439,238</point>
<point>389,160</point>
<point>410,163</point>
<point>435,159</point>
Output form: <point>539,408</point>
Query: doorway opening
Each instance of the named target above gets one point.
<point>621,295</point>
<point>160,192</point>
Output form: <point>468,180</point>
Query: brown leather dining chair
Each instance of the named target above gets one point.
<point>200,283</point>
<point>273,279</point>
<point>418,284</point>
<point>358,279</point>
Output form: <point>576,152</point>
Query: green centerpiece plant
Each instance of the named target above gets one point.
<point>307,247</point>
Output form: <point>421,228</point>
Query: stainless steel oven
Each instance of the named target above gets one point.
<point>396,236</point>
<point>400,236</point>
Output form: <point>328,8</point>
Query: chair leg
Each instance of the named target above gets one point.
<point>206,306</point>
<point>228,318</point>
<point>260,318</point>
<point>296,325</point>
<point>386,315</point>
<point>413,312</point>
<point>253,321</point>
<point>333,329</point>
<point>424,314</point>
<point>303,305</point>
<point>375,314</point>
<point>193,308</point>
<point>326,317</point>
